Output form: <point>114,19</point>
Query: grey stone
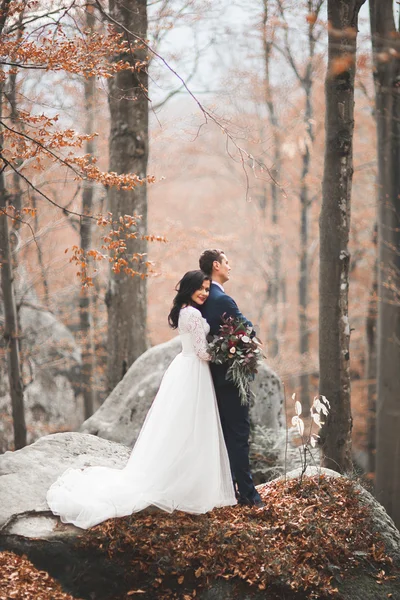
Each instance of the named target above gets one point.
<point>50,405</point>
<point>50,342</point>
<point>52,366</point>
<point>267,408</point>
<point>26,475</point>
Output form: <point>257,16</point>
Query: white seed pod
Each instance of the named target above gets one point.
<point>326,401</point>
<point>324,410</point>
<point>300,426</point>
<point>316,419</point>
<point>317,404</point>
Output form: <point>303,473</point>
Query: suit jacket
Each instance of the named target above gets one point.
<point>217,305</point>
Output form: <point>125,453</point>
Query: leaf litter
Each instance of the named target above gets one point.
<point>306,540</point>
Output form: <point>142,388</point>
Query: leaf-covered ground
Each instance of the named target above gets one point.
<point>21,580</point>
<point>306,540</point>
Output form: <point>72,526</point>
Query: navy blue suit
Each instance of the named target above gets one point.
<point>234,416</point>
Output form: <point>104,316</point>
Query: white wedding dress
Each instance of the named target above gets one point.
<point>179,461</point>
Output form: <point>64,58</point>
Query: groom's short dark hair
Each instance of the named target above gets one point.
<point>207,259</point>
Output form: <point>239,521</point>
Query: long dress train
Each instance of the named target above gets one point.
<point>179,461</point>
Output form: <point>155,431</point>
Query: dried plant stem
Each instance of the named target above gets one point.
<point>286,429</point>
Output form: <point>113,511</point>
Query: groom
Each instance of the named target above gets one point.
<point>234,416</point>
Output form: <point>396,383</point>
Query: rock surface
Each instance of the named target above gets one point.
<point>57,345</point>
<point>52,365</point>
<point>122,414</point>
<point>27,527</point>
<point>26,475</point>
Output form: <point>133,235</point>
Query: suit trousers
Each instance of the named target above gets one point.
<point>235,423</point>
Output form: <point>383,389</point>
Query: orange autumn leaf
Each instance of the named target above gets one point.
<point>311,18</point>
<point>341,64</point>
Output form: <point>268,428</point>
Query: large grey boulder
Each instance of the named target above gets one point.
<point>51,344</point>
<point>26,475</point>
<point>50,405</point>
<point>52,362</point>
<point>121,416</point>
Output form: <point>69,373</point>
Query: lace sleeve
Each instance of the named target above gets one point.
<point>195,327</point>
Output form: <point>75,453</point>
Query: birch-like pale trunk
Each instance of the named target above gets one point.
<point>126,297</point>
<point>306,82</point>
<point>386,48</point>
<point>334,326</point>
<point>275,281</point>
<point>305,78</point>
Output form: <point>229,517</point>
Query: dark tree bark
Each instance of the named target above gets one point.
<point>12,98</point>
<point>126,296</point>
<point>85,308</point>
<point>334,328</point>
<point>386,47</point>
<point>371,366</point>
<point>10,333</point>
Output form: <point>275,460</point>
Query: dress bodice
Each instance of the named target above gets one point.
<point>193,329</point>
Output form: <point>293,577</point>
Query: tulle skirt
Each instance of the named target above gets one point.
<point>179,461</point>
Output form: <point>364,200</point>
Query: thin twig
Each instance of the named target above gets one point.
<point>15,218</point>
<point>53,154</point>
<point>65,210</point>
<point>208,115</point>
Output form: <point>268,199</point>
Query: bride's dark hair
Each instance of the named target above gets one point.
<point>187,286</point>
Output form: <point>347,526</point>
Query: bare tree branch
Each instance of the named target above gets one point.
<point>208,115</point>
<point>65,210</point>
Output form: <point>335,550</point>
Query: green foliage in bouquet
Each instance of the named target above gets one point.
<point>235,344</point>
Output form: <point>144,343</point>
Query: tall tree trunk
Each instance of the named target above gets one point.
<point>274,284</point>
<point>85,308</point>
<point>126,296</point>
<point>385,39</point>
<point>304,278</point>
<point>334,328</point>
<point>40,257</point>
<point>304,341</point>
<point>306,81</point>
<point>11,334</point>
<point>371,366</point>
<point>16,196</point>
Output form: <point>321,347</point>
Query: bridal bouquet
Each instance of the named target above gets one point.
<point>234,345</point>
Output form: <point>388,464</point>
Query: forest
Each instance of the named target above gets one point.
<point>134,135</point>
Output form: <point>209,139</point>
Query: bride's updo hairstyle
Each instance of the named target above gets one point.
<point>188,285</point>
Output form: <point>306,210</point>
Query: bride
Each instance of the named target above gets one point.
<point>179,461</point>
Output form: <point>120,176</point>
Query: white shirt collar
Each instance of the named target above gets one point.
<point>218,284</point>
